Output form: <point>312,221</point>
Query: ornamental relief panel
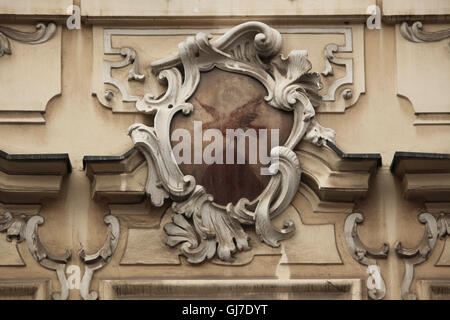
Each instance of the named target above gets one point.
<point>123,58</point>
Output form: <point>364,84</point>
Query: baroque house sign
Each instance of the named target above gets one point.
<point>204,228</point>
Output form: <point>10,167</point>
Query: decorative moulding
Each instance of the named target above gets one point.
<point>146,244</point>
<point>14,228</point>
<point>432,11</point>
<point>435,228</point>
<point>34,9</point>
<point>27,289</point>
<point>443,222</point>
<point>22,228</point>
<point>42,34</point>
<point>414,45</point>
<point>255,289</point>
<point>45,259</point>
<point>111,181</point>
<point>25,180</point>
<point>204,228</point>
<point>119,83</point>
<point>415,33</point>
<point>12,222</point>
<point>117,179</point>
<point>191,12</point>
<point>433,289</point>
<point>16,59</point>
<point>335,176</point>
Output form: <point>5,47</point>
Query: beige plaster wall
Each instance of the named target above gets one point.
<point>77,123</point>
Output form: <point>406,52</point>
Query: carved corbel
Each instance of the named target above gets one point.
<point>419,254</point>
<point>45,259</point>
<point>42,34</point>
<point>365,255</point>
<point>101,258</point>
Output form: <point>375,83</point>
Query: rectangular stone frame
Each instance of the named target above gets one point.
<point>294,289</point>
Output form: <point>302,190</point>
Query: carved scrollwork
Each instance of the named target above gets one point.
<point>99,259</point>
<point>443,223</point>
<point>252,49</point>
<point>363,254</point>
<point>417,255</point>
<point>42,34</point>
<point>45,259</point>
<point>330,59</point>
<point>14,226</point>
<point>129,57</point>
<point>415,33</point>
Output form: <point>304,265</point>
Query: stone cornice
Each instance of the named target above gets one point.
<point>189,12</point>
<point>424,176</point>
<point>28,178</point>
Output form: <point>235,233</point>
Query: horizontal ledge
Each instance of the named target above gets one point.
<point>21,117</point>
<point>403,155</point>
<point>98,159</point>
<point>36,158</point>
<point>432,119</point>
<point>355,156</point>
<point>428,18</point>
<point>175,20</point>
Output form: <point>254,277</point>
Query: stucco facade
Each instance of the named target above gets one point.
<point>93,206</point>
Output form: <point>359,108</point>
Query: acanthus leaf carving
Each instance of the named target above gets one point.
<point>252,49</point>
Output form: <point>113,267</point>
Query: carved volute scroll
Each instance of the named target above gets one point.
<point>364,255</point>
<point>45,259</point>
<point>99,259</point>
<point>419,254</point>
<point>415,33</point>
<point>203,227</point>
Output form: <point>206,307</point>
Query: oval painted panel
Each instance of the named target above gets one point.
<point>225,100</point>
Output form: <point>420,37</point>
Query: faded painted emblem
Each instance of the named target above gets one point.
<point>227,101</point>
